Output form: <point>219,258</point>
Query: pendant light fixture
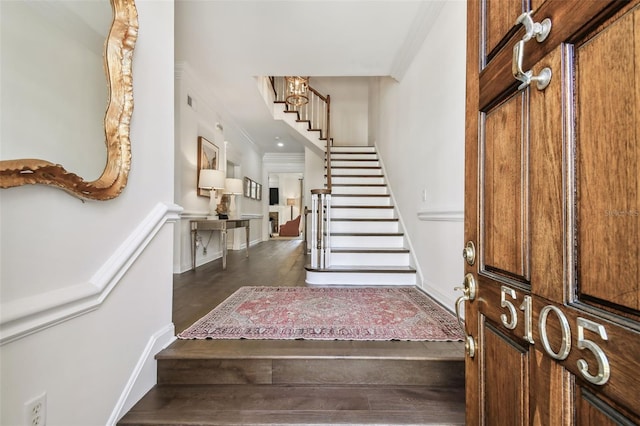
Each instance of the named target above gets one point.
<point>297,88</point>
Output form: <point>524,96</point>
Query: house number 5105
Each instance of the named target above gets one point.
<point>510,320</point>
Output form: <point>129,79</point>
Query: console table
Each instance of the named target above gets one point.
<point>221,225</point>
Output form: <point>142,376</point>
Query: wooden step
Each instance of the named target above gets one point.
<point>355,149</point>
<point>298,405</point>
<point>379,275</point>
<point>290,362</point>
<point>291,382</point>
<point>365,256</point>
<point>361,199</point>
<point>364,225</point>
<point>362,212</point>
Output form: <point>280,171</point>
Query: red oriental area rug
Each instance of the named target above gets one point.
<point>327,313</point>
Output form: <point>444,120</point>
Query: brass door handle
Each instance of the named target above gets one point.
<point>469,290</point>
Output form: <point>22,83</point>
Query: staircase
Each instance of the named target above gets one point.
<point>305,383</point>
<point>366,244</point>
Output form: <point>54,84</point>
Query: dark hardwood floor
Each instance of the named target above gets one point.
<point>292,382</point>
<point>278,263</point>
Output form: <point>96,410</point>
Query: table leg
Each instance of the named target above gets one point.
<point>193,249</point>
<point>246,232</point>
<point>223,234</point>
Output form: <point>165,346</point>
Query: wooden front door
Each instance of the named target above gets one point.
<point>553,212</point>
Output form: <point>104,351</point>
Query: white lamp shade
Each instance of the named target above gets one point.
<point>233,186</point>
<point>211,179</point>
<point>291,201</point>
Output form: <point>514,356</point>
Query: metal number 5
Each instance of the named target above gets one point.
<point>604,370</point>
<point>511,323</point>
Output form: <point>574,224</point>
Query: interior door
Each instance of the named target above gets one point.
<point>552,212</point>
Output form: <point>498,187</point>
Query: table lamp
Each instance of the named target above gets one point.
<point>213,180</point>
<point>232,187</point>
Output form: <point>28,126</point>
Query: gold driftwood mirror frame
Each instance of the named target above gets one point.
<point>118,58</point>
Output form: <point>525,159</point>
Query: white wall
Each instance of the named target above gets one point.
<point>110,261</point>
<point>420,136</point>
<point>349,107</point>
<point>200,119</point>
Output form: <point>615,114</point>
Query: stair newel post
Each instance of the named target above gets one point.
<point>314,229</point>
<point>320,216</point>
<point>328,102</point>
<point>327,231</point>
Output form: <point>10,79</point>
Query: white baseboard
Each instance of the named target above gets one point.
<point>144,374</point>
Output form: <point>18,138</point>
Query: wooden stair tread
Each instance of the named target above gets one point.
<point>356,167</point>
<point>380,269</point>
<point>360,195</point>
<point>369,250</point>
<point>365,219</point>
<point>356,176</point>
<point>313,349</point>
<point>297,405</point>
<point>360,184</point>
<point>367,234</point>
<point>353,159</point>
<point>361,207</point>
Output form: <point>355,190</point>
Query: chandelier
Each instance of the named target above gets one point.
<point>297,90</point>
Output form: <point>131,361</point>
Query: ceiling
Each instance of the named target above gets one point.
<point>227,43</point>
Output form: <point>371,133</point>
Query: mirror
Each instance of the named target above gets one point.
<point>60,125</point>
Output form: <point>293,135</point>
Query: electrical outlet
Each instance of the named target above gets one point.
<point>35,411</point>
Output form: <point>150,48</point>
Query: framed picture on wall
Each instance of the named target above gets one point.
<point>259,194</point>
<point>208,158</point>
<point>247,187</point>
<point>254,189</point>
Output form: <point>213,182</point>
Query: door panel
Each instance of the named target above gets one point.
<point>500,18</point>
<point>609,203</point>
<point>548,406</point>
<point>552,202</point>
<point>505,190</point>
<point>550,207</point>
<point>505,364</point>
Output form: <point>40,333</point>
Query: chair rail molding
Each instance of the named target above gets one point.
<point>22,317</point>
<point>441,215</point>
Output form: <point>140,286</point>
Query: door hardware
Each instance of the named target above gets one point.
<point>469,253</point>
<point>539,30</point>
<point>468,289</point>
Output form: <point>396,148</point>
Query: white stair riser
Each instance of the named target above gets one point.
<point>347,163</point>
<point>362,156</point>
<point>360,278</point>
<point>370,180</point>
<point>338,226</point>
<point>360,201</point>
<point>370,259</point>
<point>348,213</point>
<point>378,190</point>
<point>352,149</point>
<point>362,172</point>
<point>360,241</point>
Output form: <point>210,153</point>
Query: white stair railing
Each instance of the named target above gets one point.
<point>316,111</point>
